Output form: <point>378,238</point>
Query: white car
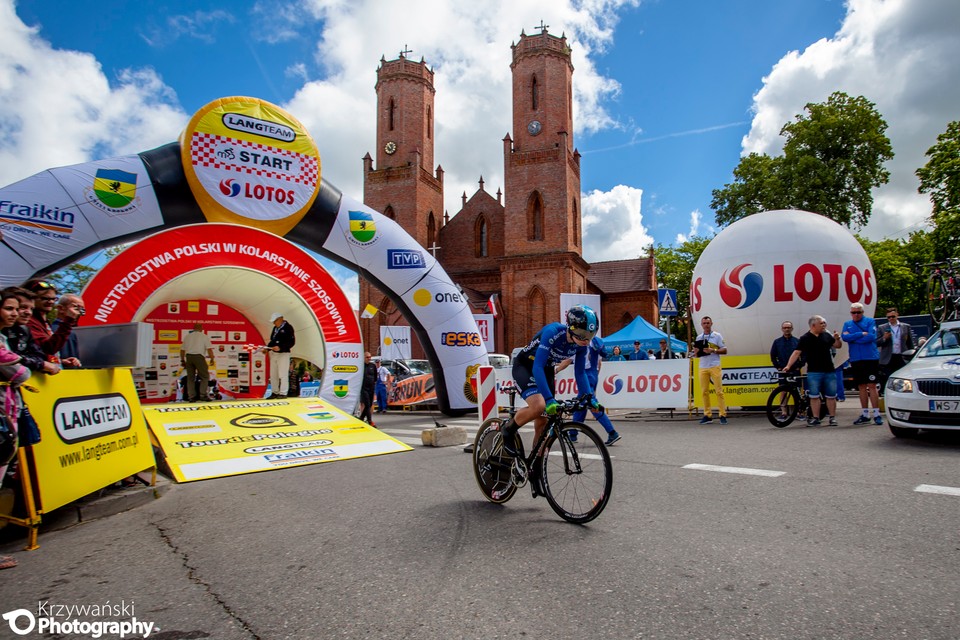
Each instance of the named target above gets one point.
<point>925,393</point>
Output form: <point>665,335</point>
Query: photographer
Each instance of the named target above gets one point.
<point>709,346</point>
<point>69,310</point>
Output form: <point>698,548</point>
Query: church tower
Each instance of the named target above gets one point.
<point>403,185</point>
<point>542,189</point>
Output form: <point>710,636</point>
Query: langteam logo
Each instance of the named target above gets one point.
<point>82,418</point>
<point>405,259</point>
<point>261,420</point>
<point>613,385</point>
<point>738,293</point>
<point>229,188</point>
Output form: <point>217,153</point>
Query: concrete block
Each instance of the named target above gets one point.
<point>443,436</point>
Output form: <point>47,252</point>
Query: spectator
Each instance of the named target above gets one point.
<point>783,347</point>
<point>383,378</point>
<point>194,345</point>
<point>294,387</point>
<point>20,339</point>
<point>43,334</point>
<point>893,338</point>
<point>366,389</point>
<point>638,353</point>
<point>709,346</point>
<point>12,374</point>
<point>665,352</point>
<point>860,334</point>
<point>616,356</point>
<point>69,309</point>
<point>282,339</point>
<point>816,347</point>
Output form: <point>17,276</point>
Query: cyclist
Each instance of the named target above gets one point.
<point>533,373</point>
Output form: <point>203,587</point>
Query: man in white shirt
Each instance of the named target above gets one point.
<point>191,359</point>
<point>708,348</point>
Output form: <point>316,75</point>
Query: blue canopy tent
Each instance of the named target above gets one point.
<point>648,335</point>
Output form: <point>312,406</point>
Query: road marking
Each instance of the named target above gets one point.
<point>740,470</point>
<point>932,488</point>
<point>588,456</point>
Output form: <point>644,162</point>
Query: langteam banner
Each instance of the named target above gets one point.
<point>747,381</point>
<point>211,440</point>
<point>93,433</point>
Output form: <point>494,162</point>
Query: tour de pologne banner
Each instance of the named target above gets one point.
<point>92,431</point>
<point>211,440</point>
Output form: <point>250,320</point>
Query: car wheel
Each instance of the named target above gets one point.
<point>903,432</point>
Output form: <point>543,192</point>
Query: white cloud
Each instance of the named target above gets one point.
<point>695,219</point>
<point>612,224</point>
<point>902,56</point>
<point>58,108</point>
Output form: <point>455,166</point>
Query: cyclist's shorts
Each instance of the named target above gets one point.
<point>526,383</point>
<point>819,383</point>
<point>865,371</point>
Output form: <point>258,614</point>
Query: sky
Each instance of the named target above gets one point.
<point>668,94</point>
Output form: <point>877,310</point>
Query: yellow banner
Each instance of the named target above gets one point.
<point>93,433</point>
<point>211,440</point>
<point>747,381</point>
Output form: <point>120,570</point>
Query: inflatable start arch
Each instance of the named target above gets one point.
<point>246,162</point>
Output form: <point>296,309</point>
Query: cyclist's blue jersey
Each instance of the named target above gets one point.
<point>549,348</point>
<point>594,351</point>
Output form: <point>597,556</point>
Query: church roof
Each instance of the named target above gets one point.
<point>622,276</point>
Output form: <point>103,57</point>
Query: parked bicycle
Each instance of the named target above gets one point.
<point>943,290</point>
<point>788,401</point>
<point>575,476</point>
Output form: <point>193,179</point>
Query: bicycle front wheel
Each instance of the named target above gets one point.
<point>783,405</point>
<point>577,474</point>
<point>490,469</point>
<point>937,298</point>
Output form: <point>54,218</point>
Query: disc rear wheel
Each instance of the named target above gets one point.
<point>490,469</point>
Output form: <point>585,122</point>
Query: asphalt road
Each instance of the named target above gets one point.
<point>833,541</point>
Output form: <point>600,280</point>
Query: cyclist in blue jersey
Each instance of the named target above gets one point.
<point>533,372</point>
<point>594,351</point>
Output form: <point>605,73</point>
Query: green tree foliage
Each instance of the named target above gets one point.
<point>832,159</point>
<point>73,278</point>
<point>675,271</point>
<point>900,283</point>
<point>940,177</point>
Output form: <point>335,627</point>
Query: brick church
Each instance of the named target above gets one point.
<point>523,246</point>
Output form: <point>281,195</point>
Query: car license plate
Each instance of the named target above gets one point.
<point>945,406</point>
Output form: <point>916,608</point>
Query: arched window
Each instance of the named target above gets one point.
<point>389,212</point>
<point>431,231</point>
<point>536,310</point>
<point>481,247</point>
<point>534,93</point>
<point>429,123</point>
<point>392,110</point>
<point>535,216</point>
<point>625,319</point>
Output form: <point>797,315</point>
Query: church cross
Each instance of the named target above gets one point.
<point>543,27</point>
<point>403,54</point>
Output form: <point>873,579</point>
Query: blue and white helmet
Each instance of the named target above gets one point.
<point>582,322</point>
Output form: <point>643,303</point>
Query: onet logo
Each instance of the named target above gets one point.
<point>738,293</point>
<point>613,385</point>
<point>229,188</point>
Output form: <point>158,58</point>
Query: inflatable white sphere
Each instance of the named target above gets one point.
<point>776,266</point>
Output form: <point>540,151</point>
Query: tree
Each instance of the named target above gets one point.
<point>832,159</point>
<point>940,177</point>
<point>675,271</point>
<point>73,278</point>
<point>900,283</point>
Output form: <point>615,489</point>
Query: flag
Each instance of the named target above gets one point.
<point>369,311</point>
<point>492,304</point>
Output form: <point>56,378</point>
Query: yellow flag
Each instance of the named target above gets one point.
<point>369,311</point>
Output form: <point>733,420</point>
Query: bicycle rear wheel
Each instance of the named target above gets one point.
<point>937,298</point>
<point>577,476</point>
<point>491,471</point>
<point>782,405</point>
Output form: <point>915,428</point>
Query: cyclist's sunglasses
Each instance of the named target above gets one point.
<point>581,334</point>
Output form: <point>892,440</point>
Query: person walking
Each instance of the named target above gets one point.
<point>383,379</point>
<point>193,361</point>
<point>366,389</point>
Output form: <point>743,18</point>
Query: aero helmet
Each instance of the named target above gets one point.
<point>582,322</point>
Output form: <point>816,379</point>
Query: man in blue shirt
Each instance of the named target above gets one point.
<point>638,353</point>
<point>860,334</point>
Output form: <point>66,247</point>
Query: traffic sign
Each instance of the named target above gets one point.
<point>668,302</point>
